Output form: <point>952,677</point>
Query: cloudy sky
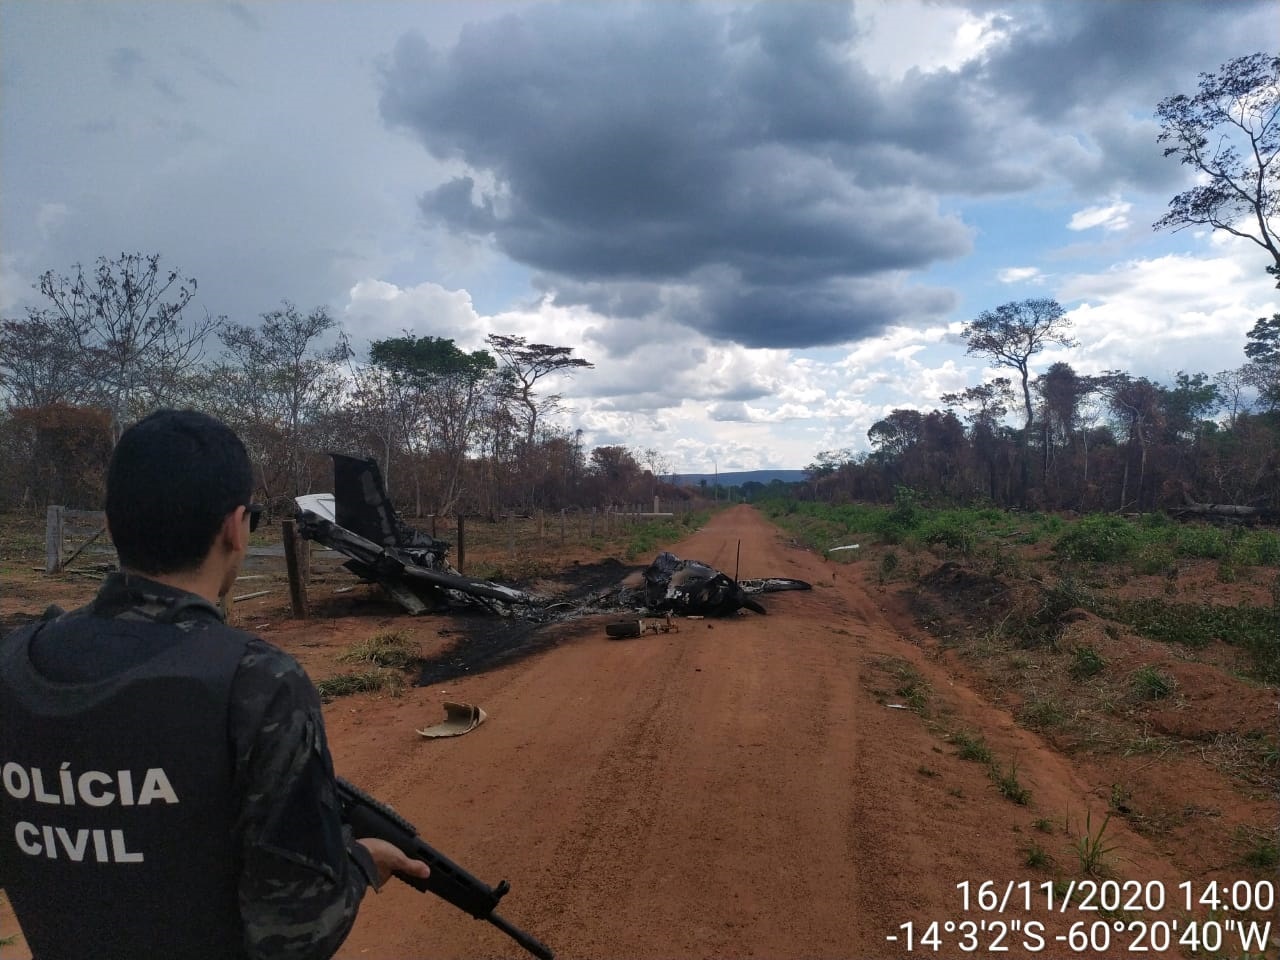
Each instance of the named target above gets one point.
<point>763,223</point>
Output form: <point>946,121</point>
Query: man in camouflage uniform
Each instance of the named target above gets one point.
<point>166,788</point>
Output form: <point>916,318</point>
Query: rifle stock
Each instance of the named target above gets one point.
<point>448,881</point>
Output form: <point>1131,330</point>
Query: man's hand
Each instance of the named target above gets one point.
<point>390,859</point>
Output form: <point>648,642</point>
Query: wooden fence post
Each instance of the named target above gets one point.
<point>462,542</point>
<point>294,564</point>
<point>53,533</point>
<point>593,523</point>
<point>304,563</point>
<point>562,524</point>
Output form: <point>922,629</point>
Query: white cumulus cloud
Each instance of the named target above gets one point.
<point>1113,216</point>
<point>1020,275</point>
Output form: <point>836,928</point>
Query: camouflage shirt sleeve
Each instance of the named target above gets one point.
<point>303,875</point>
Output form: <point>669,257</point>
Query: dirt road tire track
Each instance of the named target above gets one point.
<point>737,788</point>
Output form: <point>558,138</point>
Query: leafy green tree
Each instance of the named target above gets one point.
<point>827,462</point>
<point>452,386</point>
<point>616,474</point>
<point>1012,333</point>
<point>1189,403</point>
<point>896,433</point>
<point>1262,372</point>
<point>1229,134</point>
<point>986,403</point>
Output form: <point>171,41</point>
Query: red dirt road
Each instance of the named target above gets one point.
<point>738,788</point>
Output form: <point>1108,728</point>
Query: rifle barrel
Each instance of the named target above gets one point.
<point>530,943</point>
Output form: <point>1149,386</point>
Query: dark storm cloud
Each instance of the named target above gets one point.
<point>1095,70</point>
<point>634,150</point>
<point>738,170</point>
<point>1085,53</point>
<point>805,315</point>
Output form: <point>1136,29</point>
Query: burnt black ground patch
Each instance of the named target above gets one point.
<point>579,581</point>
<point>483,642</point>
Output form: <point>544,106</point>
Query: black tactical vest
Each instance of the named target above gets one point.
<point>116,807</point>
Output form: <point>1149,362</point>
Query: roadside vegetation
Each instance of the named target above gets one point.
<point>1145,649</point>
<point>1073,561</point>
<point>383,661</point>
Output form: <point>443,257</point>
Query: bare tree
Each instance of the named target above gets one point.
<point>40,364</point>
<point>280,380</point>
<point>125,321</point>
<point>657,462</point>
<point>1233,387</point>
<point>1136,404</point>
<point>1229,133</point>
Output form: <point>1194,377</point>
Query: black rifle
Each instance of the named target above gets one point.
<point>448,881</point>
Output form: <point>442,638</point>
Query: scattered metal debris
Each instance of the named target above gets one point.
<point>693,588</point>
<point>358,521</point>
<point>459,718</point>
<point>626,629</point>
<point>411,566</point>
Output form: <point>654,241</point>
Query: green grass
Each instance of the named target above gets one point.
<point>1150,683</point>
<point>370,681</point>
<point>1008,784</point>
<point>1037,858</point>
<point>1044,712</point>
<point>1264,854</point>
<point>1099,538</point>
<point>1086,662</point>
<point>972,747</point>
<point>391,649</point>
<point>912,687</point>
<point>958,529</point>
<point>1254,629</point>
<point>1151,542</point>
<point>1092,848</point>
<point>647,537</point>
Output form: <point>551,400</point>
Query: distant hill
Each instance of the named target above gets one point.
<point>732,479</point>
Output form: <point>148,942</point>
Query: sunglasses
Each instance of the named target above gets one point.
<point>254,512</point>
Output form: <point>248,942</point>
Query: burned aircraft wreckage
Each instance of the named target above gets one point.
<point>359,522</point>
